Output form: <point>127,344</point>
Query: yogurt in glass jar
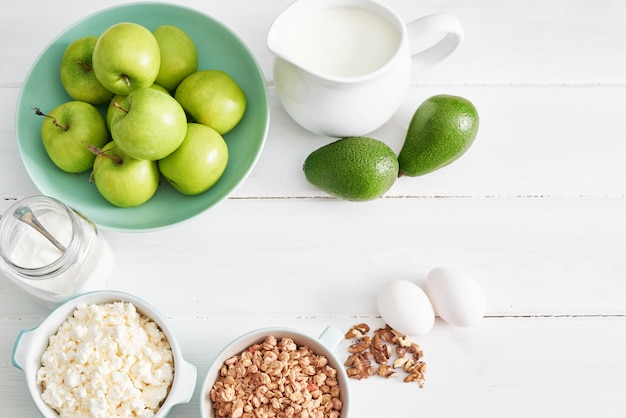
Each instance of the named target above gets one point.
<point>41,269</point>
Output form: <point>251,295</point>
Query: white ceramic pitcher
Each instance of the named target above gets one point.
<point>342,67</point>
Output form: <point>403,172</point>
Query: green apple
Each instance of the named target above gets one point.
<point>213,98</point>
<point>119,98</point>
<point>68,130</point>
<point>122,180</point>
<point>179,56</point>
<point>198,163</point>
<point>126,58</point>
<point>77,75</point>
<point>149,124</point>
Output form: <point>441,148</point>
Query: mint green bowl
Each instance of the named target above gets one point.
<point>218,48</point>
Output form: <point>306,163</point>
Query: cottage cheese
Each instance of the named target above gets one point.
<point>106,360</point>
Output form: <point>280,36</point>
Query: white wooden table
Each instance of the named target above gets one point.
<point>535,211</point>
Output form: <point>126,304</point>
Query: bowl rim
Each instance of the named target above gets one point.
<point>30,345</point>
<point>330,335</point>
<point>238,180</point>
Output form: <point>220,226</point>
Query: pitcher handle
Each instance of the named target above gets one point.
<point>435,24</point>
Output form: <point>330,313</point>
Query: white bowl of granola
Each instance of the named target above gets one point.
<point>104,354</point>
<point>271,370</point>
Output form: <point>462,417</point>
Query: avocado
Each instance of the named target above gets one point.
<point>442,128</point>
<point>354,168</point>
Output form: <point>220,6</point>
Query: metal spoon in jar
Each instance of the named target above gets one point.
<point>27,216</point>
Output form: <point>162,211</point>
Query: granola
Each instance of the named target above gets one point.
<point>277,379</point>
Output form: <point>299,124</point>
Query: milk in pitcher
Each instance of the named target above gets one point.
<point>344,42</point>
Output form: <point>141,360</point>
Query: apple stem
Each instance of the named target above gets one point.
<point>85,66</point>
<point>101,153</point>
<point>38,112</point>
<point>126,79</point>
<point>116,104</point>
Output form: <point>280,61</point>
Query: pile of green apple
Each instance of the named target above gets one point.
<point>141,109</point>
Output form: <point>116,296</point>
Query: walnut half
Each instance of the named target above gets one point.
<point>360,345</point>
<point>360,366</point>
<point>357,331</point>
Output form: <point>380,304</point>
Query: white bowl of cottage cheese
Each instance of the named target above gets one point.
<point>104,354</point>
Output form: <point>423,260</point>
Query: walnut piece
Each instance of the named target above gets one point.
<point>400,362</point>
<point>359,365</point>
<point>380,350</point>
<point>357,331</point>
<point>385,370</point>
<point>386,334</point>
<point>360,345</point>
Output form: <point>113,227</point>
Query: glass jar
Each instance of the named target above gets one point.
<point>34,264</point>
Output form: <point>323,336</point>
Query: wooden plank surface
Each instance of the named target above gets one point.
<point>534,211</point>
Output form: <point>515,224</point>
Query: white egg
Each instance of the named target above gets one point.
<point>456,296</point>
<point>405,307</point>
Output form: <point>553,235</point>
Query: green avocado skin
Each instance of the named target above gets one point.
<point>353,168</point>
<point>442,128</point>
